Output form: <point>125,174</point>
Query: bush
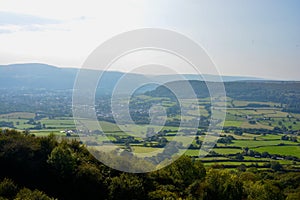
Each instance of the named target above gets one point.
<point>27,194</point>
<point>8,189</point>
<point>276,166</point>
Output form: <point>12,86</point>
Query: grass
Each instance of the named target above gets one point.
<point>245,103</point>
<point>235,117</point>
<point>235,163</point>
<point>297,116</point>
<point>245,136</point>
<point>287,123</point>
<point>258,143</point>
<point>186,140</point>
<point>18,115</point>
<point>257,125</point>
<point>286,162</point>
<point>240,103</point>
<point>107,138</point>
<point>269,137</point>
<point>66,123</point>
<point>146,151</point>
<point>250,137</point>
<point>233,123</point>
<point>43,133</point>
<point>281,150</point>
<point>234,111</point>
<point>194,152</point>
<point>195,112</point>
<point>140,149</point>
<point>214,158</point>
<point>225,151</point>
<point>253,113</point>
<point>230,117</point>
<point>278,114</point>
<point>22,124</point>
<point>109,127</point>
<point>104,148</point>
<point>266,111</point>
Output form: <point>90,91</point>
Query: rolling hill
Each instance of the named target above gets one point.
<point>43,76</point>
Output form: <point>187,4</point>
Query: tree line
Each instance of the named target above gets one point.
<point>46,168</point>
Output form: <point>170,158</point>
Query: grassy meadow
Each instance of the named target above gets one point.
<point>237,115</point>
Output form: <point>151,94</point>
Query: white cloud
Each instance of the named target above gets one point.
<point>250,38</point>
<point>11,18</point>
<point>83,25</point>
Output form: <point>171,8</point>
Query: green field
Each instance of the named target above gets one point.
<point>281,150</point>
<point>236,116</point>
<point>194,152</point>
<point>233,123</point>
<point>144,150</point>
<point>258,143</point>
<point>268,137</point>
<point>17,115</point>
<point>225,151</point>
<point>235,163</point>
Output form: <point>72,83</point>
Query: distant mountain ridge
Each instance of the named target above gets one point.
<point>287,93</point>
<point>37,76</point>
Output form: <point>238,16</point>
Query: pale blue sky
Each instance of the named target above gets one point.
<point>252,38</point>
<point>257,37</point>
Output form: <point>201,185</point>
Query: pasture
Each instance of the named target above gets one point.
<point>238,115</point>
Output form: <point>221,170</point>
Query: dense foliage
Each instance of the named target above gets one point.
<point>41,167</point>
<point>287,93</point>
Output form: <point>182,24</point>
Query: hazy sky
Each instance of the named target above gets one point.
<point>252,38</point>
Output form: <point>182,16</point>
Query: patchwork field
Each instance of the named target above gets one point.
<point>238,115</point>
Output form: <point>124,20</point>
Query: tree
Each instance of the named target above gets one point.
<point>294,196</point>
<point>221,184</point>
<point>89,182</point>
<point>284,137</point>
<point>239,156</point>
<point>8,189</point>
<point>163,193</point>
<point>249,176</point>
<point>251,153</point>
<point>293,139</point>
<point>225,140</point>
<point>276,166</point>
<point>246,149</point>
<point>63,159</point>
<point>27,194</point>
<point>198,141</point>
<point>238,132</point>
<point>265,154</point>
<point>126,186</point>
<point>255,191</point>
<point>177,178</point>
<point>242,168</point>
<point>273,192</point>
<point>127,147</point>
<point>162,142</point>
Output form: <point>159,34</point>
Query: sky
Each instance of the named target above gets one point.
<point>258,38</point>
